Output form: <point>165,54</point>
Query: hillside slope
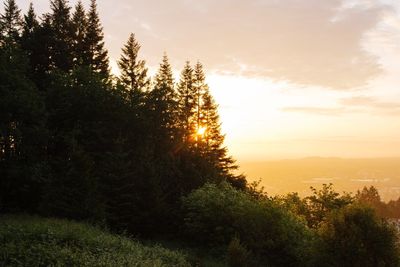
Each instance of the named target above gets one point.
<point>34,241</point>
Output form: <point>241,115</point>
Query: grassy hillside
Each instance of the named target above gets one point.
<point>34,241</point>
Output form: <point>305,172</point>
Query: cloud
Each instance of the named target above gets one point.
<point>354,104</point>
<point>368,101</point>
<point>316,110</point>
<point>372,104</point>
<point>310,42</point>
<point>292,40</point>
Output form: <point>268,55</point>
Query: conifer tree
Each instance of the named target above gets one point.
<point>10,23</point>
<point>164,80</point>
<point>211,142</point>
<point>163,100</point>
<point>22,133</point>
<point>80,27</point>
<point>133,70</point>
<point>187,102</point>
<point>213,138</point>
<point>30,22</point>
<point>62,35</point>
<point>200,87</point>
<point>37,42</point>
<point>97,55</point>
<point>30,26</point>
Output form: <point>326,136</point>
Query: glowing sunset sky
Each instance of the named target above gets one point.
<point>293,78</point>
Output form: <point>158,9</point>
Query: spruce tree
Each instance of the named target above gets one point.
<point>133,70</point>
<point>162,99</point>
<point>37,42</point>
<point>30,22</point>
<point>10,23</point>
<point>62,35</point>
<point>22,134</point>
<point>80,28</point>
<point>187,102</point>
<point>213,140</point>
<point>200,87</point>
<point>29,27</point>
<point>164,80</point>
<point>97,55</point>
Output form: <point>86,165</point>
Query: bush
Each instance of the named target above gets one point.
<point>237,254</point>
<point>32,241</point>
<point>354,236</point>
<point>214,214</point>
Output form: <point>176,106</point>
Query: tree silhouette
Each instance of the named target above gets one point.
<point>97,55</point>
<point>10,23</point>
<point>80,27</point>
<point>187,102</point>
<point>162,102</point>
<point>133,70</point>
<point>62,35</point>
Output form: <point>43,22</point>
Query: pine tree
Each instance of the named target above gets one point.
<point>10,23</point>
<point>187,102</point>
<point>211,143</point>
<point>62,35</point>
<point>162,100</point>
<point>80,27</point>
<point>29,27</point>
<point>22,134</point>
<point>37,42</point>
<point>164,80</point>
<point>97,55</point>
<point>133,71</point>
<point>200,87</point>
<point>30,22</point>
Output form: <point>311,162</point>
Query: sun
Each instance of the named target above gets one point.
<point>201,131</point>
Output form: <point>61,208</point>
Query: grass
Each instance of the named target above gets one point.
<point>35,241</point>
<point>198,256</point>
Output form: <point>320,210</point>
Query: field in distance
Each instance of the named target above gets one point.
<point>297,175</point>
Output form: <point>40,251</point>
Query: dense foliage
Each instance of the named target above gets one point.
<point>78,143</point>
<point>216,214</point>
<point>354,236</point>
<point>370,196</point>
<point>323,229</point>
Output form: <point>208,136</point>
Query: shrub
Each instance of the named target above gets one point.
<point>214,214</point>
<point>354,236</point>
<point>237,254</point>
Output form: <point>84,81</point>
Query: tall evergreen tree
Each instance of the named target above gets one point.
<point>22,134</point>
<point>210,140</point>
<point>213,141</point>
<point>200,87</point>
<point>30,23</point>
<point>37,42</point>
<point>80,28</point>
<point>62,35</point>
<point>162,100</point>
<point>187,102</point>
<point>10,23</point>
<point>133,70</point>
<point>97,56</point>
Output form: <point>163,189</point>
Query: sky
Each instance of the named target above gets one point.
<point>293,78</point>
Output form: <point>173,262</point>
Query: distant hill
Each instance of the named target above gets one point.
<point>283,176</point>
